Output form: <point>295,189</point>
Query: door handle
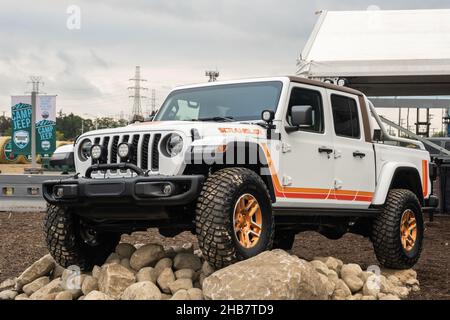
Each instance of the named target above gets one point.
<point>358,154</point>
<point>326,150</point>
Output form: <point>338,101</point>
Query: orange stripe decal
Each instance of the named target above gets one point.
<point>313,193</point>
<point>425,177</point>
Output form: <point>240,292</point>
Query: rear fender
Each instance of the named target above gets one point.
<point>398,175</point>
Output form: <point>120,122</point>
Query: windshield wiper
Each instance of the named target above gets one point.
<point>217,119</point>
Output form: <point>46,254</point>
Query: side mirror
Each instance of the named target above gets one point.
<point>302,116</point>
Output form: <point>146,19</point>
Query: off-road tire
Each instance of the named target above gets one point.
<point>386,236</point>
<point>65,244</point>
<point>214,216</point>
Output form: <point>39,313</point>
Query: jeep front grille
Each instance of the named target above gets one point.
<point>114,146</point>
<point>155,152</point>
<point>145,152</point>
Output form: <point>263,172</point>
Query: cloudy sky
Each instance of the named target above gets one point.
<point>173,41</point>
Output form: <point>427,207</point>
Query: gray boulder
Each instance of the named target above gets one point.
<point>162,264</point>
<point>125,250</point>
<point>49,291</point>
<point>97,295</point>
<point>181,295</point>
<point>114,279</point>
<point>7,284</point>
<point>165,278</point>
<point>146,256</point>
<point>89,284</point>
<point>195,294</point>
<point>34,286</point>
<point>40,268</point>
<point>185,274</point>
<point>142,291</point>
<point>187,261</point>
<point>65,295</point>
<point>274,275</point>
<point>8,294</point>
<point>146,274</point>
<point>180,284</point>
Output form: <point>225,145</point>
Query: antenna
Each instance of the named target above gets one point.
<point>136,113</point>
<point>213,75</point>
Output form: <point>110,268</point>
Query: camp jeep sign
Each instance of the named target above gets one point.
<point>45,125</point>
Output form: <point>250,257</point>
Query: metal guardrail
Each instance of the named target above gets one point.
<point>23,186</point>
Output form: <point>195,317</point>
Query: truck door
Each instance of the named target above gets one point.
<point>306,160</point>
<point>354,177</point>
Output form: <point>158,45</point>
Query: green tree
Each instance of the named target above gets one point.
<point>439,134</point>
<point>5,125</point>
<point>71,125</point>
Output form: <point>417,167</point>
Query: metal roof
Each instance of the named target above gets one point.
<point>382,53</point>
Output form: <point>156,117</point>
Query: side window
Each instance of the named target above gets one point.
<point>345,115</point>
<point>305,97</point>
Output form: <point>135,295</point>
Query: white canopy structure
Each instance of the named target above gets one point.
<point>382,53</point>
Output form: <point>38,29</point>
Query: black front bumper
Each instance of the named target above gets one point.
<point>140,191</point>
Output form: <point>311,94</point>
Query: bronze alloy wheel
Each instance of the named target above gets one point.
<point>247,221</point>
<point>408,230</point>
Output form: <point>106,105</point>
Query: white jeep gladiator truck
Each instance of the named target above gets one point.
<point>245,165</point>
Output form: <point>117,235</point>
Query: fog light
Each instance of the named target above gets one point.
<point>96,152</point>
<point>124,151</point>
<point>65,191</point>
<point>59,192</point>
<point>167,189</point>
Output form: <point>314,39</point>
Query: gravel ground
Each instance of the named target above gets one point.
<point>21,243</point>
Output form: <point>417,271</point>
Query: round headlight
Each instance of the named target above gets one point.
<point>123,150</point>
<point>84,152</point>
<point>96,152</point>
<point>174,145</point>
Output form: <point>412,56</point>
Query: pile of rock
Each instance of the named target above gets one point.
<point>149,272</point>
<point>152,272</point>
<point>276,275</point>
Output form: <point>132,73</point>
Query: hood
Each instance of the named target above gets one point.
<point>204,129</point>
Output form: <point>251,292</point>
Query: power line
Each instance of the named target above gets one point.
<point>36,82</point>
<point>136,113</point>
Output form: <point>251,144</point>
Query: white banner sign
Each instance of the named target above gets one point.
<point>45,106</point>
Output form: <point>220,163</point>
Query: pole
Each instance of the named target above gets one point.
<point>399,119</point>
<point>448,125</point>
<point>33,128</point>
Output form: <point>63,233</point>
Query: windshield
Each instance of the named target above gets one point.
<point>236,102</point>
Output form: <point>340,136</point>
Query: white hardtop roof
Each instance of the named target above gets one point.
<point>283,79</point>
<point>394,52</point>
